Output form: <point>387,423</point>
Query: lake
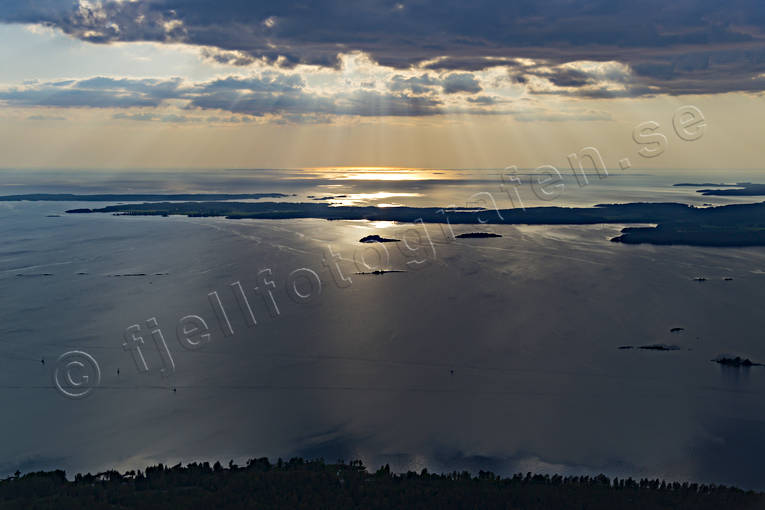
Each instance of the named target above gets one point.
<point>498,354</point>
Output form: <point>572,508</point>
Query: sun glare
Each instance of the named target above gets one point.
<point>375,173</point>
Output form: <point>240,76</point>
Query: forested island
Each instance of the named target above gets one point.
<point>298,484</point>
<point>728,225</point>
<point>374,238</point>
<point>477,235</point>
<point>736,362</point>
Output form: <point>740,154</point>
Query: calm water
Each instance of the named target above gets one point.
<point>494,354</point>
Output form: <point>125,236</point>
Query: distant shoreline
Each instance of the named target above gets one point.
<point>741,189</point>
<point>734,225</point>
<point>137,197</point>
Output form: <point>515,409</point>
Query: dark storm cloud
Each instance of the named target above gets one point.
<point>668,44</point>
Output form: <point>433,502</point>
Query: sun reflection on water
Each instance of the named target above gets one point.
<point>368,198</point>
<point>374,173</point>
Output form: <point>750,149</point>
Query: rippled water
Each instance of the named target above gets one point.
<point>494,354</point>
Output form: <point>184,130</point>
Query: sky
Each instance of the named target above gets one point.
<point>437,84</point>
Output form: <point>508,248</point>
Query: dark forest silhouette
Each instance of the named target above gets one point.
<point>314,484</point>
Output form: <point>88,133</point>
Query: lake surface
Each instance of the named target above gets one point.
<point>497,354</point>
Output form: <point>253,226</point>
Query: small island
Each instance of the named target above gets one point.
<point>659,347</point>
<point>477,235</point>
<point>650,347</point>
<point>736,362</point>
<point>676,330</point>
<point>374,238</point>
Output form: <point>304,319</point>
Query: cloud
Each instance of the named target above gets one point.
<point>427,83</point>
<point>461,82</point>
<point>135,116</point>
<point>363,103</point>
<point>292,97</point>
<point>45,117</point>
<point>672,47</point>
<point>170,118</point>
<point>97,92</point>
<point>580,79</point>
<point>234,58</point>
<point>265,82</point>
<point>266,94</point>
<point>415,84</point>
<point>485,100</point>
<point>467,63</point>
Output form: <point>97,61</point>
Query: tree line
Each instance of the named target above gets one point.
<point>314,484</point>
